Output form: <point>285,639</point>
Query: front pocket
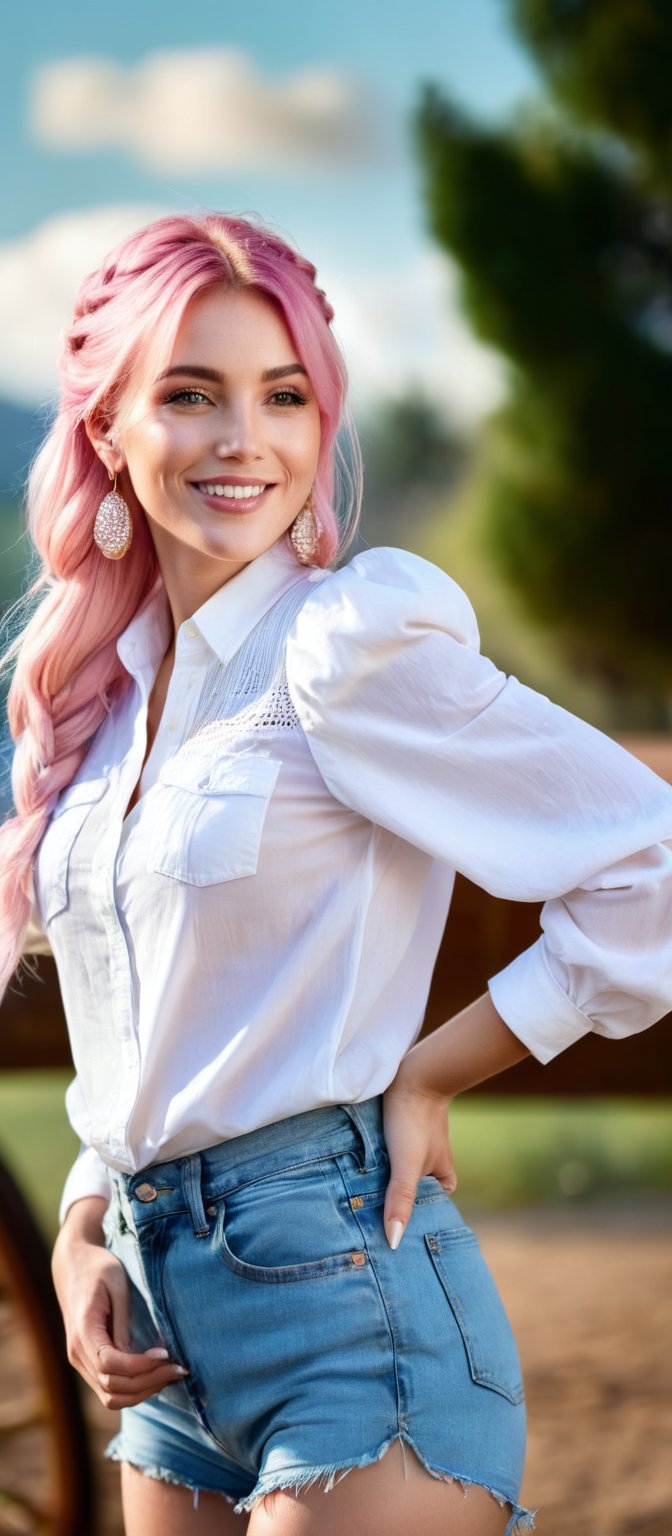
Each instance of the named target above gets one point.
<point>314,1269</point>
<point>286,1227</point>
<point>209,821</point>
<point>64,827</point>
<point>478,1311</point>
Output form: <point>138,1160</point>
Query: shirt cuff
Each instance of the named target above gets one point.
<point>88,1176</point>
<point>533,1005</point>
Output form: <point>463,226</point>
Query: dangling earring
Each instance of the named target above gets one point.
<point>113,529</point>
<point>304,534</point>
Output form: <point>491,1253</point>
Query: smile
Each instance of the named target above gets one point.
<point>232,492</point>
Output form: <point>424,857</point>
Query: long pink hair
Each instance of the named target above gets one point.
<point>127,314</point>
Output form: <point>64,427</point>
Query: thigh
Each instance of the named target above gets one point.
<point>154,1508</point>
<point>392,1497</point>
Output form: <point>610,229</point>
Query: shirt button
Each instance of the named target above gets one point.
<point>145,1192</point>
<point>190,630</point>
<point>172,725</point>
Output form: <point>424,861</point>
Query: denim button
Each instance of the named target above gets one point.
<point>145,1192</point>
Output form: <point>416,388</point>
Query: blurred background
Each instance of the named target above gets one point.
<point>486,190</point>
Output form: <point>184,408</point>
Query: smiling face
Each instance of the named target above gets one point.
<point>220,451</point>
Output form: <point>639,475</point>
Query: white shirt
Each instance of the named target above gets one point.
<point>257,938</point>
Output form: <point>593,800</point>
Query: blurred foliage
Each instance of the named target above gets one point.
<point>561,226</point>
<point>410,455</point>
<point>610,63</point>
<point>519,1152</point>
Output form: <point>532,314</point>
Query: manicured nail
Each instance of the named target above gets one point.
<point>158,1354</point>
<point>394,1234</point>
<point>180,1370</point>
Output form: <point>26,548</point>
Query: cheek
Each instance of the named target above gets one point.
<point>306,449</point>
<point>157,449</point>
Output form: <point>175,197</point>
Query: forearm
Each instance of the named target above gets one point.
<point>472,1046</point>
<point>84,1221</point>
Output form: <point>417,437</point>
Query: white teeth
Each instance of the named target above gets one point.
<point>234,492</point>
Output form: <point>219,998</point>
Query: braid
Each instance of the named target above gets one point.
<point>68,672</point>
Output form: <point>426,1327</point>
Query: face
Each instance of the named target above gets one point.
<point>221,449</point>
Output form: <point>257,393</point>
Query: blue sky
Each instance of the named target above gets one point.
<point>356,210</point>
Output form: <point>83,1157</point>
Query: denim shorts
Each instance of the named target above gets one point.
<point>263,1267</point>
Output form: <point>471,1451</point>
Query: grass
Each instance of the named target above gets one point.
<point>509,1152</point>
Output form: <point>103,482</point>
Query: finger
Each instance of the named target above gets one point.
<point>121,1362</point>
<point>446,1175</point>
<point>399,1198</point>
<point>151,1381</point>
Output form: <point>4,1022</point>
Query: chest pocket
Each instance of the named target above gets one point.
<point>59,840</point>
<point>210,820</point>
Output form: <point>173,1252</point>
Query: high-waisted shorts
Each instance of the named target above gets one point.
<point>262,1265</point>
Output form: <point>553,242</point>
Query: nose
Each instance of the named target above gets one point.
<point>239,432</point>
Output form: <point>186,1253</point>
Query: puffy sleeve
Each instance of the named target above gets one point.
<point>88,1176</point>
<point>411,727</point>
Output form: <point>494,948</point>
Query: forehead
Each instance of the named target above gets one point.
<point>228,327</point>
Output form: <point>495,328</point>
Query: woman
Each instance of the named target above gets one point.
<point>243,783</point>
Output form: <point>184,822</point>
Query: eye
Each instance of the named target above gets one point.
<point>287,397</point>
<point>187,397</point>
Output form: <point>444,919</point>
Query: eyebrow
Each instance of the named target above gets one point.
<point>196,371</point>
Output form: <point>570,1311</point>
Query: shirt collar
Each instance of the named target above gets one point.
<point>224,620</point>
<point>229,615</point>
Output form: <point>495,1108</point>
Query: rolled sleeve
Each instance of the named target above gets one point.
<point>604,962</point>
<point>535,1007</point>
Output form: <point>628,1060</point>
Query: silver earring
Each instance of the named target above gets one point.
<point>304,534</point>
<point>113,529</point>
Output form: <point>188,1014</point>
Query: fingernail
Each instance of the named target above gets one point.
<point>180,1370</point>
<point>394,1234</point>
<point>158,1354</point>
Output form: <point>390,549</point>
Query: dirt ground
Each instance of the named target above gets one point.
<point>589,1294</point>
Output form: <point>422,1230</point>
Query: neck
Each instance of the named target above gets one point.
<point>192,579</point>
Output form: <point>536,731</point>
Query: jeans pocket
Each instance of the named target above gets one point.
<point>478,1311</point>
<point>286,1228</point>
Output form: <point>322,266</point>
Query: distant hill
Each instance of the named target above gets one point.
<point>21,431</point>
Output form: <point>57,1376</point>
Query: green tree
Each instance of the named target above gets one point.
<point>411,456</point>
<point>562,224</point>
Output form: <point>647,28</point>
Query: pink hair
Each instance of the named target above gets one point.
<point>68,673</point>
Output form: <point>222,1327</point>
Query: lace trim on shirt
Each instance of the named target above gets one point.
<point>250,693</point>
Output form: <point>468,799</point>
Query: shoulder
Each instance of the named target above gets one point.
<point>384,594</point>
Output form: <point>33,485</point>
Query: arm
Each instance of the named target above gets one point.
<point>473,1045</point>
<point>414,730</point>
<point>93,1293</point>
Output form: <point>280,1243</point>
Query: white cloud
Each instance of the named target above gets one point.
<point>404,328</point>
<point>40,274</point>
<point>203,110</point>
<point>398,329</point>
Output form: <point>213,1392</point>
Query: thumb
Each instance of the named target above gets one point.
<point>399,1199</point>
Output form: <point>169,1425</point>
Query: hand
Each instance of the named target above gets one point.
<point>93,1294</point>
<point>415,1124</point>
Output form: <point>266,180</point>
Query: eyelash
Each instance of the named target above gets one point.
<point>293,397</point>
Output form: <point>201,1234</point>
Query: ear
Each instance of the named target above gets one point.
<point>102,439</point>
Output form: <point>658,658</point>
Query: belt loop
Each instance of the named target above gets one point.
<point>191,1184</point>
<point>359,1119</point>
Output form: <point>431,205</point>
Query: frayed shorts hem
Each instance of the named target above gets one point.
<point>298,1478</point>
<point>161,1474</point>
